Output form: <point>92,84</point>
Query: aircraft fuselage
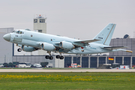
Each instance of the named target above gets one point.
<point>33,39</point>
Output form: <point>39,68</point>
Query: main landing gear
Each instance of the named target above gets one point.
<point>51,57</point>
<point>59,57</point>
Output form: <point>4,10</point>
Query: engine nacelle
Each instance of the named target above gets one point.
<point>28,48</point>
<point>47,46</point>
<point>66,45</point>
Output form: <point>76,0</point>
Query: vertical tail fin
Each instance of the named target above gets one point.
<point>106,34</point>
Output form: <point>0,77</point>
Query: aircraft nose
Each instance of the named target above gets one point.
<point>7,37</point>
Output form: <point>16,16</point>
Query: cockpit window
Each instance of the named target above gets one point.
<point>19,32</point>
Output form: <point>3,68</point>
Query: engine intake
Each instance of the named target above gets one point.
<point>47,46</point>
<point>66,45</point>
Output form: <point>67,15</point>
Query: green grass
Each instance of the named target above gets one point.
<point>67,81</point>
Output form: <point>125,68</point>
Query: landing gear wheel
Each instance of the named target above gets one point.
<point>19,49</point>
<point>61,57</point>
<point>57,56</point>
<point>47,57</point>
<point>51,57</point>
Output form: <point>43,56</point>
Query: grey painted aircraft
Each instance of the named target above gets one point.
<point>31,41</point>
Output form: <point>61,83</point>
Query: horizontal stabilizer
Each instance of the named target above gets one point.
<point>86,41</point>
<point>114,47</point>
<point>118,48</point>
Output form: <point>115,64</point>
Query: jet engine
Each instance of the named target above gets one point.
<point>47,46</point>
<point>28,48</point>
<point>66,45</point>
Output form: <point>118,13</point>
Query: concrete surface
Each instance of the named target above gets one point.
<point>67,70</point>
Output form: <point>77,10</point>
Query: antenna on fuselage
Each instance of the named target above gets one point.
<point>28,29</point>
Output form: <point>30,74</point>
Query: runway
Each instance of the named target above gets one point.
<point>67,70</point>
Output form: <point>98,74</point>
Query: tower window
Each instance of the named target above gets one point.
<point>42,20</point>
<point>35,20</point>
<point>40,31</point>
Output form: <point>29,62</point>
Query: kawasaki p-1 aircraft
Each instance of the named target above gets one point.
<point>31,41</point>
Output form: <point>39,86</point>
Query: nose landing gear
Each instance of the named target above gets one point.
<point>19,49</point>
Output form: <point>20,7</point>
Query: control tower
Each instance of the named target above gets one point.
<point>39,24</point>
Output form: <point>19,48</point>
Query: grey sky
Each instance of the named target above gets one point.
<point>73,18</point>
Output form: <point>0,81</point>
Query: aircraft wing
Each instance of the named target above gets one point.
<point>79,43</point>
<point>86,41</point>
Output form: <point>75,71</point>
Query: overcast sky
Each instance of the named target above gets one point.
<point>73,18</point>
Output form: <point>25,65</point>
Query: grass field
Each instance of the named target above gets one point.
<point>67,81</point>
